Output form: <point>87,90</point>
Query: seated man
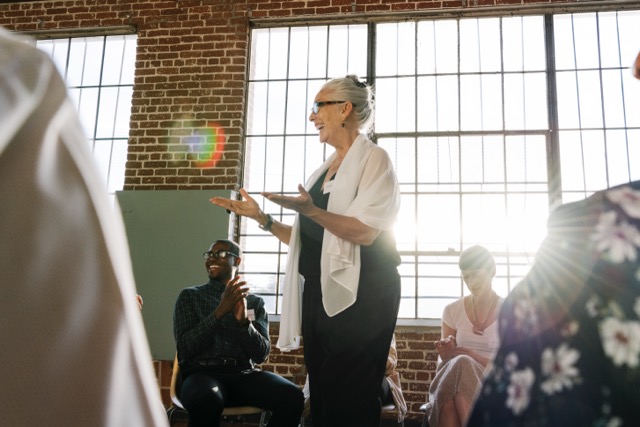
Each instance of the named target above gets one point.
<point>221,333</point>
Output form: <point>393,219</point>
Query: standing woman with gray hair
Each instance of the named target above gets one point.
<point>342,252</point>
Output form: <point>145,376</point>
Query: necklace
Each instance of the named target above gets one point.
<point>478,328</point>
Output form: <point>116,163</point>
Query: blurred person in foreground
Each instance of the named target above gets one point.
<point>342,260</point>
<point>469,341</point>
<point>74,346</point>
<point>570,330</point>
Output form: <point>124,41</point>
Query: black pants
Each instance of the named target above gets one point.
<point>205,393</point>
<point>346,355</point>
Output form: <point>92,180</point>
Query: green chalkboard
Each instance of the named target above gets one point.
<point>167,233</point>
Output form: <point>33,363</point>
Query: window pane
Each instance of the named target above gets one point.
<point>403,155</point>
<point>628,35</point>
<point>563,39</point>
<point>525,101</point>
<point>395,104</point>
<point>608,35</point>
<point>526,160</point>
<point>618,156</point>
<point>119,67</point>
<point>568,113</point>
<point>87,103</point>
<point>387,41</point>
<point>278,53</point>
<point>483,220</point>
<point>631,90</point>
<point>347,55</point>
<point>482,159</point>
<point>88,72</point>
<point>438,47</point>
<point>405,227</point>
<point>583,160</point>
<point>257,108</point>
<point>297,108</point>
<point>523,40</point>
<point>590,107</point>
<point>259,54</point>
<point>438,222</point>
<point>585,39</point>
<point>276,100</point>
<point>480,45</point>
<point>318,38</point>
<point>612,98</point>
<point>437,103</point>
<point>406,49</point>
<point>439,160</point>
<point>481,102</point>
<point>298,43</point>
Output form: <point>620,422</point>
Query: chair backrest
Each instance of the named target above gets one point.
<point>176,383</point>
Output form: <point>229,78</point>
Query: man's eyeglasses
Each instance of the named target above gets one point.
<point>218,254</point>
<point>316,105</point>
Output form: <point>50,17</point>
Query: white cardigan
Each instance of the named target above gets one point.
<point>365,187</point>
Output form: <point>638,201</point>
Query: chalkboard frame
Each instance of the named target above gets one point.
<point>167,232</point>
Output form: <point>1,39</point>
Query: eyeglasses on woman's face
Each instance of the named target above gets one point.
<point>316,105</point>
<point>218,254</point>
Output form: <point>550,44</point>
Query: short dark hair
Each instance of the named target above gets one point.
<point>476,258</point>
<point>234,248</point>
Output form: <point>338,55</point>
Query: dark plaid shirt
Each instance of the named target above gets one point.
<point>199,336</point>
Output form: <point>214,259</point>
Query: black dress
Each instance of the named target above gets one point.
<point>346,354</point>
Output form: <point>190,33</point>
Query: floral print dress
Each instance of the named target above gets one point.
<point>570,331</point>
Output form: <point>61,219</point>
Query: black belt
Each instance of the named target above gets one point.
<point>219,361</point>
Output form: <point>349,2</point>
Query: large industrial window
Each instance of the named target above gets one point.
<point>491,123</point>
<point>99,73</point>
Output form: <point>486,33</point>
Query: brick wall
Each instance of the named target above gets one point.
<point>190,72</point>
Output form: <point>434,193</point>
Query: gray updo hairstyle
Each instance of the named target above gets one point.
<point>351,89</point>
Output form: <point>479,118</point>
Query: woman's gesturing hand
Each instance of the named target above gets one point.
<point>247,207</point>
<point>302,204</point>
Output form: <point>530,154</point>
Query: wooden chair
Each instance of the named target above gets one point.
<point>425,408</point>
<point>391,408</point>
<point>174,391</point>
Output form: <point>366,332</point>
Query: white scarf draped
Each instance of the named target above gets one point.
<point>365,187</point>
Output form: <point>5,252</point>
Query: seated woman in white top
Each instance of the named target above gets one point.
<point>469,341</point>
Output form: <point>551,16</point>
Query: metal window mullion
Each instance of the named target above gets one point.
<point>67,60</point>
<point>604,121</point>
<point>554,175</point>
<point>95,124</point>
<point>416,164</point>
<point>459,145</point>
<point>575,63</point>
<point>624,106</point>
<point>504,125</point>
<point>284,151</point>
<point>115,111</point>
<point>266,122</point>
